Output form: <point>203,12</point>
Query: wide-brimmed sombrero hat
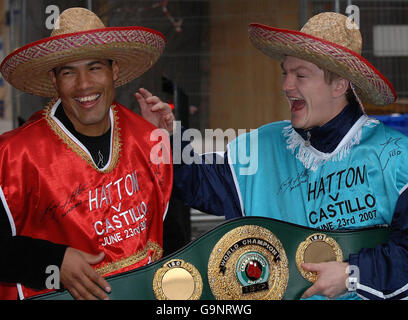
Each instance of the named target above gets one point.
<point>332,42</point>
<point>82,35</point>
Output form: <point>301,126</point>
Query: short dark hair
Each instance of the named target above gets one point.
<point>55,68</point>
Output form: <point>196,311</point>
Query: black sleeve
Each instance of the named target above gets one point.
<point>25,260</point>
<point>204,182</point>
<point>383,270</point>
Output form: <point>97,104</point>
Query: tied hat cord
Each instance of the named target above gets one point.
<point>357,98</point>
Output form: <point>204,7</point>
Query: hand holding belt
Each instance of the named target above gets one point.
<point>245,258</point>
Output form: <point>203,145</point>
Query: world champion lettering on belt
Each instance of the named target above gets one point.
<point>245,262</point>
<point>245,242</point>
<point>248,262</point>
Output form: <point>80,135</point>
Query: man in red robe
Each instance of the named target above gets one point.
<point>80,184</point>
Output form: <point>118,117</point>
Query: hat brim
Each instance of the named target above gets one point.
<point>135,49</point>
<point>370,84</point>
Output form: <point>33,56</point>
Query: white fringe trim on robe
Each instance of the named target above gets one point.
<point>312,158</point>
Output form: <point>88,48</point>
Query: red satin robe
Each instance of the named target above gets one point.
<point>53,191</point>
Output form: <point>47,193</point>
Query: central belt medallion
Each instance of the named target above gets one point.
<point>249,263</point>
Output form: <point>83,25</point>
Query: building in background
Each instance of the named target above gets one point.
<point>209,58</point>
<point>6,117</point>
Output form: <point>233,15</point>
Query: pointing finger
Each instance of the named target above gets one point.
<point>153,100</point>
<point>145,93</point>
<point>142,102</point>
<point>162,107</point>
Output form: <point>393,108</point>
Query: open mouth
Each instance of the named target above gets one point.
<point>296,104</point>
<point>88,100</point>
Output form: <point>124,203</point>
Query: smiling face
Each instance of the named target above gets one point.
<point>312,100</point>
<point>86,89</point>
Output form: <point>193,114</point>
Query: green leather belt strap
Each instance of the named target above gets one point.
<point>240,242</point>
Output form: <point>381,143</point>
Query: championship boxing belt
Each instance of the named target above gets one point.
<point>245,258</point>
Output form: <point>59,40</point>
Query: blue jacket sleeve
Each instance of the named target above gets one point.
<point>205,182</point>
<point>383,271</point>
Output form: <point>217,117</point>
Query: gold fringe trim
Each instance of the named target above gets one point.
<point>116,148</point>
<point>125,262</point>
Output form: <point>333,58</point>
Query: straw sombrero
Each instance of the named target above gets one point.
<point>327,41</point>
<point>82,35</point>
